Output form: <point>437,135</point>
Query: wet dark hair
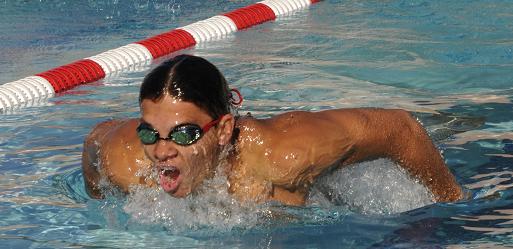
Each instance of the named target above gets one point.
<point>189,78</point>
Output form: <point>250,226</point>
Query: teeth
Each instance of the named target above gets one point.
<point>168,171</point>
<point>167,168</point>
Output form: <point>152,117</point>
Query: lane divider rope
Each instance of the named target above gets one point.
<point>46,84</point>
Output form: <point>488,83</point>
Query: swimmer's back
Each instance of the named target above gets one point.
<point>292,149</point>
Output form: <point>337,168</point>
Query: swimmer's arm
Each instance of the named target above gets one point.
<point>395,134</point>
<point>90,158</point>
<point>113,152</point>
<point>90,174</point>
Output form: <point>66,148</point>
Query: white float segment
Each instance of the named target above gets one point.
<point>218,27</point>
<point>117,65</point>
<point>193,31</point>
<point>212,31</point>
<point>11,97</point>
<point>118,59</point>
<point>24,90</point>
<point>138,52</point>
<point>31,103</point>
<point>121,58</point>
<point>5,99</point>
<point>278,11</point>
<point>293,4</point>
<point>205,35</point>
<point>304,3</point>
<point>214,27</point>
<point>20,97</point>
<point>226,22</point>
<point>28,89</point>
<point>142,51</point>
<point>287,6</point>
<point>142,54</point>
<point>104,64</point>
<point>203,32</point>
<point>3,104</point>
<point>284,6</point>
<point>136,55</point>
<point>35,90</point>
<point>42,85</point>
<point>129,56</point>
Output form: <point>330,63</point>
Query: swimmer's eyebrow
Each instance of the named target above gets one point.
<point>142,121</point>
<point>149,124</point>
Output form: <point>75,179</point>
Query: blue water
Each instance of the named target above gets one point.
<point>448,62</point>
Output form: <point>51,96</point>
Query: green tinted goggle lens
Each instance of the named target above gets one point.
<point>185,134</point>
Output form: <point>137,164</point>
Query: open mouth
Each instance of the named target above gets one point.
<point>169,178</point>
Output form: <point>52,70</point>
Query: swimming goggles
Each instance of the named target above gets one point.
<point>184,134</point>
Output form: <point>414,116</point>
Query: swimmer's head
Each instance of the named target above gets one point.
<point>185,121</point>
<point>188,78</point>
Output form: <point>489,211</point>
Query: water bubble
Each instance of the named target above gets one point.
<point>375,187</point>
<point>209,207</point>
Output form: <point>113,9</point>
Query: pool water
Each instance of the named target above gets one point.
<point>448,62</point>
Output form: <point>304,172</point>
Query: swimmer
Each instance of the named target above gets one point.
<point>186,127</point>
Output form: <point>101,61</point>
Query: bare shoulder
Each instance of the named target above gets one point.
<point>349,123</point>
<point>113,146</point>
<point>296,126</point>
<point>107,132</point>
<point>363,115</point>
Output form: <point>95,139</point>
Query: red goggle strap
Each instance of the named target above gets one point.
<point>236,101</point>
<point>211,124</point>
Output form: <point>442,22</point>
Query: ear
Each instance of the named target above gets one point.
<point>225,129</point>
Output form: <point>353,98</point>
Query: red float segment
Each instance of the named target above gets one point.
<point>74,70</point>
<point>90,69</point>
<point>251,15</point>
<point>168,42</point>
<point>71,75</point>
<point>55,80</point>
<point>87,70</point>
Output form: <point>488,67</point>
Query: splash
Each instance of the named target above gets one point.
<point>375,187</point>
<point>211,207</point>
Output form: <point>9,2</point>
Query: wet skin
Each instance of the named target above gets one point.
<point>272,159</point>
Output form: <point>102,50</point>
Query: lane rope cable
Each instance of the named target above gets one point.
<point>26,91</point>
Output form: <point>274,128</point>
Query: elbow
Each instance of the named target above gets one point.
<point>408,125</point>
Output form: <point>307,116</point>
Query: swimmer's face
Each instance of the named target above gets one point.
<point>181,169</point>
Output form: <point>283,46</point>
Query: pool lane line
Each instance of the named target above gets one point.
<point>45,85</point>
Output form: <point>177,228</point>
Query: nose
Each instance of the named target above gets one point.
<point>165,150</point>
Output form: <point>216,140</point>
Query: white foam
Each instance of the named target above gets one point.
<point>374,187</point>
<point>210,207</point>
